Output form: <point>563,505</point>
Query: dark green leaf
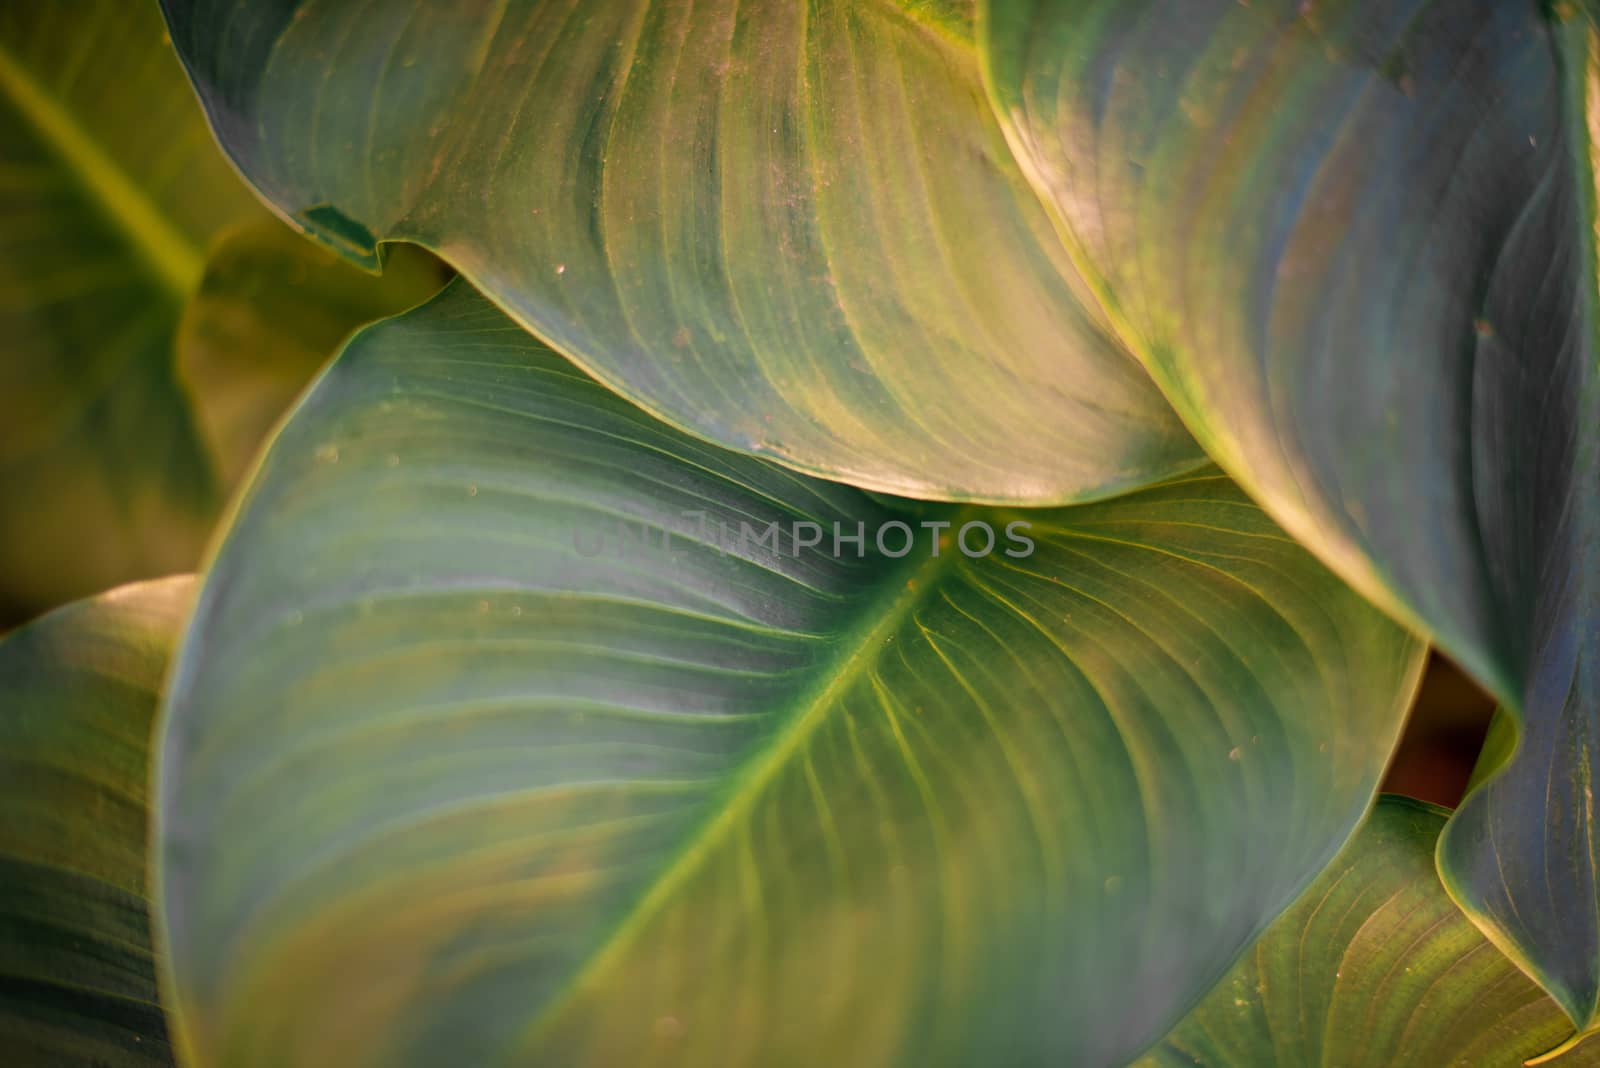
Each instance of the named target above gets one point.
<point>440,788</point>
<point>1354,241</point>
<point>1374,967</point>
<point>794,229</point>
<point>80,685</point>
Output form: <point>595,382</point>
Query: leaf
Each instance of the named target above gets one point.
<point>120,434</point>
<point>270,310</point>
<point>77,982</point>
<point>1354,242</point>
<point>1373,967</point>
<point>110,189</point>
<point>794,230</point>
<point>451,772</point>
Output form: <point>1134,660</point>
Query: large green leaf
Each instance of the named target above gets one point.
<point>77,982</point>
<point>1354,241</point>
<point>446,781</point>
<point>1374,967</point>
<point>110,189</point>
<point>794,229</point>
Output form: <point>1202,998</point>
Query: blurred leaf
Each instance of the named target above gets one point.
<point>793,229</point>
<point>77,983</point>
<point>111,192</point>
<point>1374,967</point>
<point>270,310</point>
<point>448,779</point>
<point>1354,241</point>
<point>110,189</point>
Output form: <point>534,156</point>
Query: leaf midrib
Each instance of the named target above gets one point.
<point>908,588</point>
<point>176,261</point>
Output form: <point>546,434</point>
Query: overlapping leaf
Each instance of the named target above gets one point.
<point>1374,967</point>
<point>1354,241</point>
<point>456,769</point>
<point>112,191</point>
<point>794,229</point>
<point>77,982</point>
<point>270,310</point>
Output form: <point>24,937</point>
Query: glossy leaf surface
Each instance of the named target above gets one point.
<point>80,686</point>
<point>1374,967</point>
<point>456,769</point>
<point>795,230</point>
<point>1354,242</point>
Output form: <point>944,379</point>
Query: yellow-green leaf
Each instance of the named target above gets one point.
<point>794,229</point>
<point>1374,967</point>
<point>121,431</point>
<point>270,310</point>
<point>111,188</point>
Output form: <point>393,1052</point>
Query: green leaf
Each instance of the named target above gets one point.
<point>445,780</point>
<point>793,229</point>
<point>1374,967</point>
<point>1354,242</point>
<point>270,310</point>
<point>77,982</point>
<point>125,414</point>
<point>110,189</point>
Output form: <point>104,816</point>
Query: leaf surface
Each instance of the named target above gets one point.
<point>110,190</point>
<point>269,311</point>
<point>794,230</point>
<point>1374,967</point>
<point>80,686</point>
<point>1354,242</point>
<point>454,768</point>
<point>126,415</point>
